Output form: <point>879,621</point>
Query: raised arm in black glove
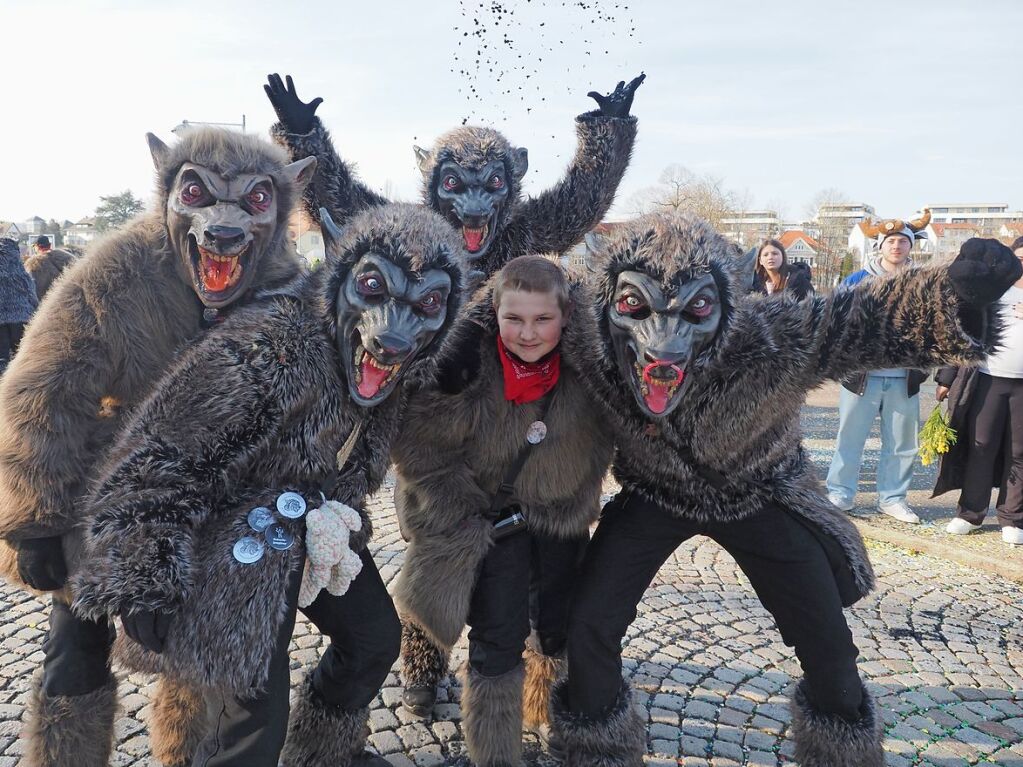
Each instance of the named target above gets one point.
<point>147,627</point>
<point>619,101</point>
<point>41,563</point>
<point>983,271</point>
<point>295,114</point>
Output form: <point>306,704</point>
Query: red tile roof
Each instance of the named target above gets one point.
<point>790,237</point>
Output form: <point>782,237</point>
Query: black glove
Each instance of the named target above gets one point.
<point>295,114</point>
<point>460,363</point>
<point>618,102</point>
<point>41,563</point>
<point>147,627</point>
<point>983,271</point>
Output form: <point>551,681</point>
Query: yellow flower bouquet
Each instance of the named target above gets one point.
<point>936,437</point>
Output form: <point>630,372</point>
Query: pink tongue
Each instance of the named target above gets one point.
<point>473,238</point>
<point>372,379</point>
<point>657,399</point>
<point>216,274</point>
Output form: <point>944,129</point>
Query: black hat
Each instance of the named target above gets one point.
<point>42,241</point>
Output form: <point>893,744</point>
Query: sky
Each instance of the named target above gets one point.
<point>895,103</point>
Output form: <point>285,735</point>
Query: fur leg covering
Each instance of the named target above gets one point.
<point>177,722</point>
<point>492,717</point>
<point>321,735</point>
<point>542,671</point>
<point>70,731</point>
<point>618,740</point>
<point>827,740</point>
<point>423,663</point>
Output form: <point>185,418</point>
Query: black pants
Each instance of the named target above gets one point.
<point>995,423</point>
<point>76,653</point>
<point>784,561</point>
<point>10,338</point>
<point>365,636</point>
<point>499,611</point>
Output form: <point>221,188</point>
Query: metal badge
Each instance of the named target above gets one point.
<point>248,550</point>
<point>210,314</point>
<point>536,433</point>
<point>278,537</point>
<point>291,505</point>
<point>260,518</point>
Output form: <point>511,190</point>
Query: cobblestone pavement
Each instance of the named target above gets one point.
<point>941,647</point>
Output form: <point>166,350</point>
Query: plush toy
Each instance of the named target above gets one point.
<point>331,564</point>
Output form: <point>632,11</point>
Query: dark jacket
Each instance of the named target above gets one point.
<point>448,474</point>
<point>17,291</point>
<point>962,382</point>
<point>798,281</point>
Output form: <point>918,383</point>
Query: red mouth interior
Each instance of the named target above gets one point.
<point>473,238</point>
<point>218,275</point>
<point>659,390</point>
<point>372,378</point>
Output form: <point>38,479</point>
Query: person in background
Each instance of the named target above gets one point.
<point>891,393</point>
<point>47,264</point>
<point>986,409</point>
<point>774,274</point>
<point>17,300</point>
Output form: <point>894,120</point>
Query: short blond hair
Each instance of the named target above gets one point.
<point>532,274</point>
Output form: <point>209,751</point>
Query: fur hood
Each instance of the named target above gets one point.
<point>447,475</point>
<point>733,444</point>
<point>17,290</point>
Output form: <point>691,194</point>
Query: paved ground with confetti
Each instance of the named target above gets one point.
<point>941,647</point>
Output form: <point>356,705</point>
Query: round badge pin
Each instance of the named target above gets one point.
<point>260,518</point>
<point>248,550</point>
<point>536,432</point>
<point>291,505</point>
<point>278,537</point>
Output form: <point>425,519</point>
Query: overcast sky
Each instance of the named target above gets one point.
<point>892,103</point>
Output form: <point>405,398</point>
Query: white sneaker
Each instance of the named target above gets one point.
<point>839,502</point>
<point>1013,535</point>
<point>900,511</point>
<point>960,526</point>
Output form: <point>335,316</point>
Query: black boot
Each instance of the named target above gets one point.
<point>423,665</point>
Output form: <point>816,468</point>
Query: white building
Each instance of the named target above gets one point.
<point>987,215</point>
<point>944,240</point>
<point>81,233</point>
<point>800,247</point>
<point>751,227</point>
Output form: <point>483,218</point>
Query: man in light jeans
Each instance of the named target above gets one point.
<point>891,393</point>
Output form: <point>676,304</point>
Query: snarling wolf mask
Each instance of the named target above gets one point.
<point>392,292</point>
<point>665,292</point>
<point>227,198</point>
<point>473,176</point>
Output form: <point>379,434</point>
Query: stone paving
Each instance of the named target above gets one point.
<point>941,648</point>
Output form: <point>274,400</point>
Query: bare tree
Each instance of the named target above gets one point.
<point>678,189</point>
<point>832,234</point>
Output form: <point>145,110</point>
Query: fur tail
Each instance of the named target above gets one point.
<point>321,735</point>
<point>828,740</point>
<point>618,740</point>
<point>542,671</point>
<point>70,731</point>
<point>177,723</point>
<point>423,664</point>
<point>492,717</point>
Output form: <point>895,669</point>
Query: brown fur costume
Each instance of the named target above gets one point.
<point>112,326</point>
<point>47,267</point>
<point>70,731</point>
<point>552,222</point>
<point>738,412</point>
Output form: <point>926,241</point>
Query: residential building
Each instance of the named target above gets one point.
<point>34,225</point>
<point>800,247</point>
<point>81,233</point>
<point>944,240</point>
<point>989,216</point>
<point>751,227</point>
<point>10,230</point>
<point>1010,231</point>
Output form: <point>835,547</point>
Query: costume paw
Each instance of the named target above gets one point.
<point>983,271</point>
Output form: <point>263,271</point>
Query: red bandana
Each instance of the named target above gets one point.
<point>527,381</point>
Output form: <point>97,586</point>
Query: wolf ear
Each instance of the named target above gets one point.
<point>330,230</point>
<point>596,245</point>
<point>519,162</point>
<point>158,149</point>
<point>424,159</point>
<point>299,173</point>
<point>745,266</point>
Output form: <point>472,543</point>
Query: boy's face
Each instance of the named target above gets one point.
<point>530,323</point>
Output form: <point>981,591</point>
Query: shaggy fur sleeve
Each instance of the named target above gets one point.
<point>558,218</point>
<point>180,459</point>
<point>335,186</point>
<point>911,319</point>
<point>50,417</point>
<point>432,458</point>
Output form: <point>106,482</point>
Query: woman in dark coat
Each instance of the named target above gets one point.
<point>17,300</point>
<point>774,274</point>
<point>986,410</point>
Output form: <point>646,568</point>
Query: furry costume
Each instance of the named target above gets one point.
<point>47,267</point>
<point>195,459</point>
<point>551,223</point>
<point>17,291</point>
<point>447,477</point>
<point>709,432</point>
<point>111,329</point>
